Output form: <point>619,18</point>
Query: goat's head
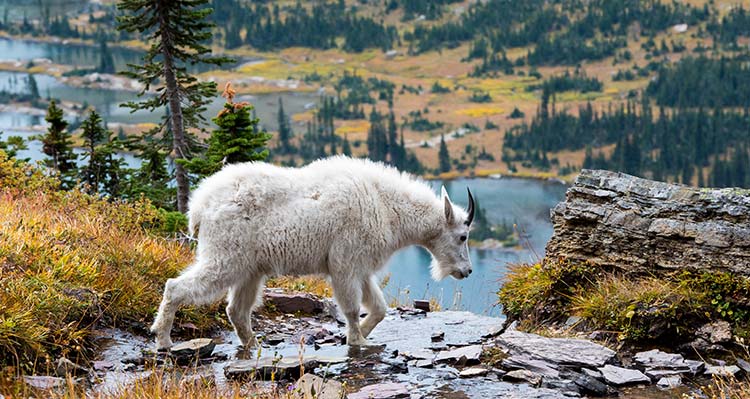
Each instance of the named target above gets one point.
<point>450,247</point>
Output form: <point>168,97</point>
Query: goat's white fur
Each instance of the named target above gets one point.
<point>339,217</point>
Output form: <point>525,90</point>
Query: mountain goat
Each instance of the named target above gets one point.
<point>340,217</point>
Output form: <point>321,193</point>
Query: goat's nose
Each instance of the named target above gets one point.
<point>469,272</point>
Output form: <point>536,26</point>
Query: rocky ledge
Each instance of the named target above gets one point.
<point>639,225</point>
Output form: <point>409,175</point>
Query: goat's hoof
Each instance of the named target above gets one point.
<point>163,345</point>
<point>358,342</point>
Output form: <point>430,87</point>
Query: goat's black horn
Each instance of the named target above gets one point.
<point>471,208</point>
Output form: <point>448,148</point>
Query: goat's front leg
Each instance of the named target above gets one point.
<point>348,294</point>
<point>372,299</point>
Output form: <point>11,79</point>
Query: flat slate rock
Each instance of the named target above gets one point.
<point>563,351</point>
<point>465,356</point>
<point>544,368</point>
<point>726,371</point>
<point>44,382</point>
<point>385,390</point>
<point>472,372</point>
<point>669,382</point>
<point>199,347</point>
<point>527,376</point>
<point>294,303</point>
<point>658,360</point>
<point>619,376</point>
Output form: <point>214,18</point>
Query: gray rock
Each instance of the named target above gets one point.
<point>718,332</point>
<point>590,385</point>
<point>563,385</point>
<point>659,364</point>
<point>424,363</point>
<point>563,351</point>
<point>385,390</point>
<point>744,365</point>
<point>437,336</point>
<point>592,373</point>
<point>525,362</point>
<point>472,372</point>
<point>64,367</point>
<point>312,386</point>
<point>102,365</point>
<point>294,303</point>
<point>195,348</point>
<point>466,356</point>
<point>640,225</point>
<point>44,382</point>
<point>669,382</point>
<point>725,371</point>
<point>619,376</point>
<point>527,376</point>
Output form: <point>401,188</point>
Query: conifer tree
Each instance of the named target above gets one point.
<point>237,139</point>
<point>57,145</point>
<point>103,172</point>
<point>106,61</point>
<point>285,131</point>
<point>177,31</point>
<point>444,156</point>
<point>346,149</point>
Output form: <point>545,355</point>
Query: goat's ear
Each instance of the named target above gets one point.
<point>448,205</point>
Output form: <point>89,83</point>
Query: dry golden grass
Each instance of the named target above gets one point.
<point>70,262</point>
<point>316,285</point>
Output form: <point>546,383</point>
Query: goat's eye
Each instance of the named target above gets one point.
<point>462,238</point>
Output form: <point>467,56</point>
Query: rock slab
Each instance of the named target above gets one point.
<point>619,376</point>
<point>312,386</point>
<point>294,303</point>
<point>639,225</point>
<point>561,351</point>
<point>385,390</point>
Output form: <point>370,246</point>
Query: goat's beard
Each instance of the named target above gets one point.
<point>438,273</point>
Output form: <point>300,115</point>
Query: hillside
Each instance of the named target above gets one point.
<point>472,72</point>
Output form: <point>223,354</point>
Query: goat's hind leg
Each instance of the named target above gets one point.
<point>198,285</point>
<point>348,294</point>
<point>241,301</point>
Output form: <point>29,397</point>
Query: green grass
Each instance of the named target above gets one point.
<point>641,308</point>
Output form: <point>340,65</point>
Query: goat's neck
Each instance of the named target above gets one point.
<point>416,223</point>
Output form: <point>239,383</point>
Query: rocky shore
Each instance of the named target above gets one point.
<point>414,353</point>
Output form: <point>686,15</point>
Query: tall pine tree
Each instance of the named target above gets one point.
<point>177,31</point>
<point>285,130</point>
<point>444,157</point>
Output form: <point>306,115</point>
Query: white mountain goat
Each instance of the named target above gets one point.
<point>340,217</point>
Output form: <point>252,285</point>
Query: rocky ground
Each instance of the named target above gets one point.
<point>414,354</point>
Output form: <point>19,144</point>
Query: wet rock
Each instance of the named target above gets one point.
<point>590,385</point>
<point>619,376</point>
<point>725,371</point>
<point>195,348</point>
<point>563,385</point>
<point>592,373</point>
<point>718,332</point>
<point>64,367</point>
<point>422,305</point>
<point>312,386</point>
<point>659,364</point>
<point>527,376</point>
<point>385,390</point>
<point>424,363</point>
<point>437,336</point>
<point>466,356</point>
<point>472,372</point>
<point>525,362</point>
<point>563,351</point>
<point>274,339</point>
<point>103,365</point>
<point>669,382</point>
<point>44,382</point>
<point>294,303</point>
<point>419,354</point>
<point>744,365</point>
